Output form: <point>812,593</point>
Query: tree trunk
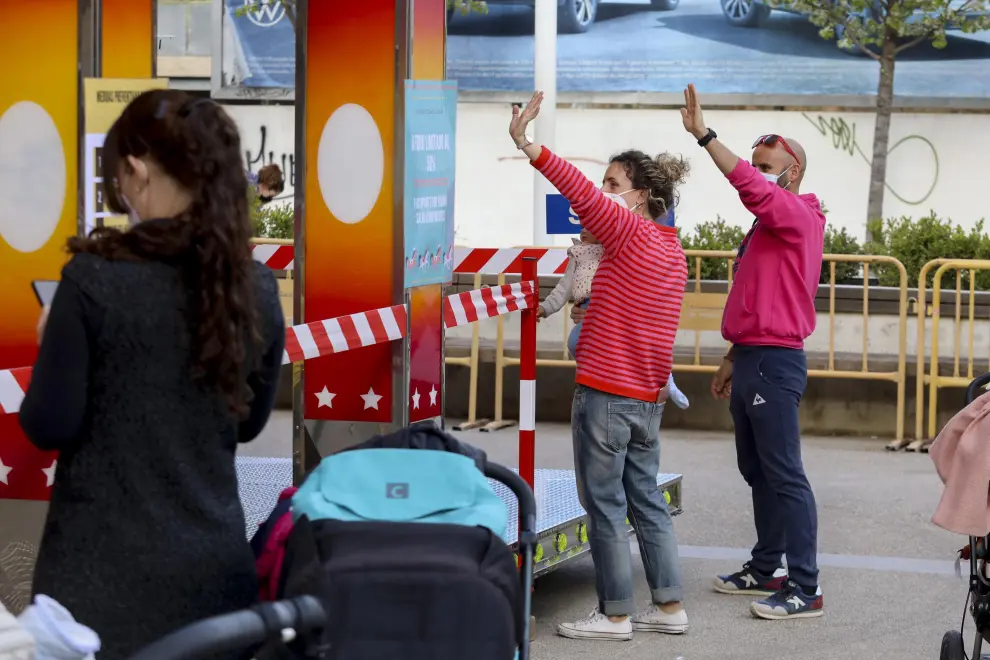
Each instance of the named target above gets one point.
<point>881,132</point>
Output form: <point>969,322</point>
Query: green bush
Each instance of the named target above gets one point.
<point>838,241</point>
<point>272,220</point>
<point>715,235</point>
<point>915,242</point>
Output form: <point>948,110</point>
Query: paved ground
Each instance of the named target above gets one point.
<point>887,573</point>
<point>630,48</point>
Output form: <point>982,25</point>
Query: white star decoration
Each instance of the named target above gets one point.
<point>415,399</point>
<point>325,398</point>
<point>371,399</point>
<point>433,395</point>
<point>4,471</point>
<point>50,473</point>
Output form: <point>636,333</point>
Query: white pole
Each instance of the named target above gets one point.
<point>545,74</point>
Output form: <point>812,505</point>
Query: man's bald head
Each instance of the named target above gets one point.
<point>775,159</point>
<point>802,157</point>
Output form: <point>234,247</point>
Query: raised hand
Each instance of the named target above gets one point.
<point>694,122</point>
<point>521,119</point>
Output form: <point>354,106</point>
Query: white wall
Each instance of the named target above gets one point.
<point>268,135</point>
<point>942,153</point>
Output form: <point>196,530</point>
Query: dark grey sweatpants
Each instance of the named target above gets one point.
<point>767,385</point>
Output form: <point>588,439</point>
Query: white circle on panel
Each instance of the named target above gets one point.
<point>32,176</point>
<point>350,163</point>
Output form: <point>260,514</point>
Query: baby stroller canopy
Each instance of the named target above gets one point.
<point>401,485</point>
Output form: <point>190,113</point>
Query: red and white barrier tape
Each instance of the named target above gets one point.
<point>276,257</point>
<point>486,261</point>
<point>344,333</point>
<point>489,302</point>
<point>490,261</point>
<point>13,385</point>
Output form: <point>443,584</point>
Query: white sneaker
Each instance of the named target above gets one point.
<point>653,619</point>
<point>597,626</point>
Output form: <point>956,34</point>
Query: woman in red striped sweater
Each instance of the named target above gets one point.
<point>624,358</point>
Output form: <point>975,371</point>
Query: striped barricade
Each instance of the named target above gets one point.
<point>302,342</point>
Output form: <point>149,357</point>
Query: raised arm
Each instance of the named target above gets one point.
<point>611,224</point>
<point>777,209</point>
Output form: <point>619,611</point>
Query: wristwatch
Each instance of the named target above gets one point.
<point>527,140</point>
<point>709,136</point>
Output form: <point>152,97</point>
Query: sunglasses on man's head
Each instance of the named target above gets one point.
<point>771,140</point>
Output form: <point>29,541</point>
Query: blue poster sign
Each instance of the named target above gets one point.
<point>428,190</point>
<point>265,43</point>
<point>561,219</point>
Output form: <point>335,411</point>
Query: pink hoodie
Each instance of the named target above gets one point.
<point>772,300</point>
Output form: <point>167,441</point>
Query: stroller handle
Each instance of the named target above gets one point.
<point>237,631</point>
<point>972,392</point>
<point>519,488</point>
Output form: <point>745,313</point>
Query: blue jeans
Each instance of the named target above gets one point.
<point>616,461</point>
<point>767,385</point>
<point>572,337</point>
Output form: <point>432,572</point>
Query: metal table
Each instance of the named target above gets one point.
<point>561,522</point>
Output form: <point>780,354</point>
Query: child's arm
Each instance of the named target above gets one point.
<point>560,293</point>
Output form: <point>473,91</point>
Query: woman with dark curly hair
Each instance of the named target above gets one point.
<point>160,354</point>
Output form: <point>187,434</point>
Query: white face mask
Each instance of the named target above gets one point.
<point>775,178</point>
<point>620,200</point>
<point>132,216</point>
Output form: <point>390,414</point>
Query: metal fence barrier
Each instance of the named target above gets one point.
<point>702,312</point>
<point>933,378</point>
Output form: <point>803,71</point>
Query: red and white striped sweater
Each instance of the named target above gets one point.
<point>627,340</point>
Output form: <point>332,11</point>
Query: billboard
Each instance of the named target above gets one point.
<point>725,47</point>
<point>638,46</point>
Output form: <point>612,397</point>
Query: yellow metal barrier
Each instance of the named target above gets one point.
<point>933,379</point>
<point>702,311</point>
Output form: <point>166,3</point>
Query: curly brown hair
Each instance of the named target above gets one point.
<point>659,176</point>
<point>196,143</point>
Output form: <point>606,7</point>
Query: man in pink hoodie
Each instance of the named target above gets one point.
<point>768,315</point>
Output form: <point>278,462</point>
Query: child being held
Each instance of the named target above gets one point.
<point>583,258</point>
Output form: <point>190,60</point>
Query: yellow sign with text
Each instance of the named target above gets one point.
<point>103,101</point>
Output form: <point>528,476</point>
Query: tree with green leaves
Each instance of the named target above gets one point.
<point>882,30</point>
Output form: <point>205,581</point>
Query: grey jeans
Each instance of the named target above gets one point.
<point>616,461</point>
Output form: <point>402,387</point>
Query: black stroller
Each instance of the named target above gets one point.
<point>332,603</point>
<point>977,553</point>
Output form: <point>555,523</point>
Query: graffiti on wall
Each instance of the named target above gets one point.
<point>922,152</point>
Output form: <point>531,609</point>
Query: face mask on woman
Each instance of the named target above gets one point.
<point>620,200</point>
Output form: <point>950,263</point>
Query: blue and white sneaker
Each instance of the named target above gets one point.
<point>750,582</point>
<point>791,602</point>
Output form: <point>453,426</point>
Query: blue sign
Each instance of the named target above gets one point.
<point>265,43</point>
<point>428,190</point>
<point>561,219</point>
